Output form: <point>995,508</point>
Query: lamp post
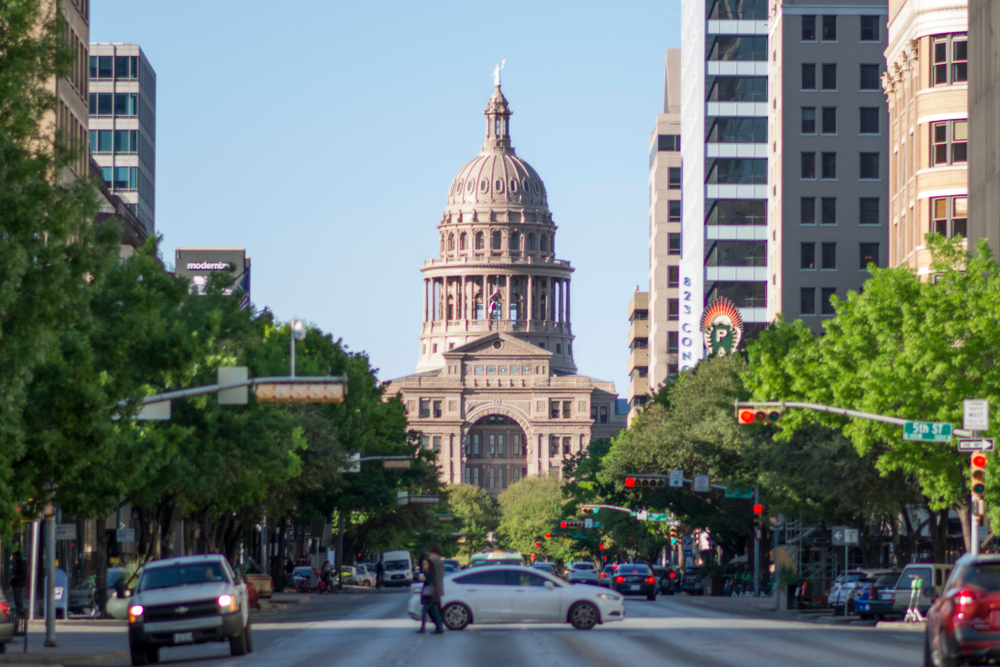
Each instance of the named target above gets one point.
<point>298,332</point>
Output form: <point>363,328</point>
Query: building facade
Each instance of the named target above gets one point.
<point>828,154</point>
<point>496,392</point>
<point>724,109</point>
<point>638,355</point>
<point>926,85</point>
<point>198,265</point>
<point>984,123</point>
<point>122,106</point>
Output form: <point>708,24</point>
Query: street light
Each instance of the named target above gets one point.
<point>298,329</point>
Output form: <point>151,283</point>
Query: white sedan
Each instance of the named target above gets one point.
<point>512,594</point>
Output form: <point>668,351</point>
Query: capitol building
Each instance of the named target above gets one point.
<point>496,392</point>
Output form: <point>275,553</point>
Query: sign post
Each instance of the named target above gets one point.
<point>975,417</point>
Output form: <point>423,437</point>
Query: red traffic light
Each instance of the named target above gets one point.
<point>979,460</point>
<point>601,547</point>
<point>563,524</point>
<point>758,509</point>
<point>629,482</point>
<point>548,535</point>
<point>538,544</point>
<point>746,416</point>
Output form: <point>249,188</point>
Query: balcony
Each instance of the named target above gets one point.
<point>638,329</point>
<point>638,358</point>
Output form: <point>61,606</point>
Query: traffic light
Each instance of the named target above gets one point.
<point>563,524</point>
<point>533,555</point>
<point>978,478</point>
<point>601,547</point>
<point>548,536</point>
<point>299,390</point>
<point>758,510</point>
<point>538,543</point>
<point>658,481</point>
<point>673,534</point>
<point>764,416</point>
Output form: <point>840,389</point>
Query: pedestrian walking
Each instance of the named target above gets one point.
<point>379,573</point>
<point>435,611</point>
<point>18,580</point>
<point>429,598</point>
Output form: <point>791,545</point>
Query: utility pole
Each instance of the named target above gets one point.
<point>756,546</point>
<point>50,576</point>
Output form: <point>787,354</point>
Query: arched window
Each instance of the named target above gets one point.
<point>463,241</point>
<point>497,240</point>
<point>480,241</point>
<point>529,242</point>
<point>515,242</point>
<point>451,242</point>
<point>544,244</point>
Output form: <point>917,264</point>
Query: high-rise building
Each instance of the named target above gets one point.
<point>123,125</point>
<point>828,124</point>
<point>496,393</point>
<point>984,123</point>
<point>70,117</point>
<point>926,83</point>
<point>638,356</point>
<point>198,265</point>
<point>665,230</point>
<point>724,108</point>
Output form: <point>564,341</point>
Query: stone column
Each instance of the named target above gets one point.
<point>425,299</point>
<point>505,308</point>
<point>529,302</point>
<point>567,301</point>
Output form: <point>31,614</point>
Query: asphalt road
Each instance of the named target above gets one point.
<point>373,630</point>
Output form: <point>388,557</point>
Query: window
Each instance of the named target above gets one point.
<point>829,28</point>
<point>437,443</point>
<point>829,120</point>
<point>736,253</point>
<point>674,214</point>
<point>515,242</point>
<point>737,212</point>
<point>738,131</point>
<point>829,165</point>
<point>673,310</point>
<point>672,338</point>
<point>949,216</point>
<point>950,59</point>
<point>869,255</point>
<point>869,28</point>
<point>673,276</point>
<point>826,306</point>
<point>101,104</point>
<point>807,301</point>
<point>493,477</point>
<point>829,257</point>
<point>674,243</point>
<point>808,256</point>
<point>126,141</point>
<point>949,142</point>
<point>515,445</point>
<point>126,104</point>
<point>747,10</point>
<point>808,165</point>
<point>829,77</point>
<point>463,241</point>
<point>728,48</point>
<point>480,241</point>
<point>437,409</point>
<point>807,208</point>
<point>567,410</point>
<point>869,120</point>
<point>869,165</point>
<point>674,178</point>
<point>808,120</point>
<point>476,452</point>
<point>425,442</point>
<point>869,214</point>
<point>553,445</point>
<point>497,241</point>
<point>808,28</point>
<point>543,242</point>
<point>425,408</point>
<point>742,294</point>
<point>738,89</point>
<point>567,442</point>
<point>100,141</point>
<point>501,449</point>
<point>828,210</point>
<point>602,414</point>
<point>554,409</point>
<point>475,476</point>
<point>737,171</point>
<point>126,178</point>
<point>808,77</point>
<point>870,77</point>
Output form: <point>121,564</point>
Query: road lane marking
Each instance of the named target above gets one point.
<point>588,652</point>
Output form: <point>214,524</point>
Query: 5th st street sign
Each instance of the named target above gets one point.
<point>927,431</point>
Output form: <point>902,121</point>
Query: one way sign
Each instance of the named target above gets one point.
<point>844,536</point>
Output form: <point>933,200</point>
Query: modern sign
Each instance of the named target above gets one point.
<point>978,445</point>
<point>721,327</point>
<point>701,483</point>
<point>976,414</point>
<point>126,535</point>
<point>676,479</point>
<point>845,536</point>
<point>927,431</point>
<point>65,531</point>
<point>738,493</point>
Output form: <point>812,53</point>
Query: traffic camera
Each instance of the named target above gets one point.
<point>658,481</point>
<point>750,416</point>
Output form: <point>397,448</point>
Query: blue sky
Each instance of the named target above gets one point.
<point>323,137</point>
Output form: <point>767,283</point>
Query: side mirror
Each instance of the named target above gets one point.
<point>549,585</point>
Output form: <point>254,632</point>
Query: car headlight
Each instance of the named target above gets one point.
<point>608,596</point>
<point>228,603</point>
<point>134,612</point>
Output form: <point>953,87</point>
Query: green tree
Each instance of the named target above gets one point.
<point>529,509</point>
<point>476,515</point>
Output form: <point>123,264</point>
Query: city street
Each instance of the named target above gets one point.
<point>373,629</point>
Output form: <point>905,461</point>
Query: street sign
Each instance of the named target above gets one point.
<point>738,493</point>
<point>588,523</point>
<point>642,515</point>
<point>844,536</point>
<point>352,464</point>
<point>672,522</point>
<point>126,535</point>
<point>659,516</point>
<point>688,553</point>
<point>701,483</point>
<point>676,479</point>
<point>688,542</point>
<point>927,431</point>
<point>976,414</point>
<point>65,531</point>
<point>978,445</point>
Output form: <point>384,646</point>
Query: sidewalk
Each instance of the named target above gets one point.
<point>91,642</point>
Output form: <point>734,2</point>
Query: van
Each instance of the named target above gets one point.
<point>398,568</point>
<point>933,576</point>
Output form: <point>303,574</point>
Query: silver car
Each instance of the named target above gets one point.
<point>582,573</point>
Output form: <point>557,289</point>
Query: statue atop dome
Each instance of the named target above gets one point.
<point>496,72</point>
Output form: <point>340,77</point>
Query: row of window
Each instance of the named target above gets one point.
<point>869,77</point>
<point>828,28</point>
<point>868,118</point>
<point>743,294</point>
<point>117,104</point>
<point>493,445</point>
<point>114,67</point>
<point>950,59</point>
<point>868,211</point>
<point>554,441</point>
<point>503,370</point>
<point>827,260</point>
<point>730,171</point>
<point>741,130</point>
<point>492,477</point>
<point>736,48</point>
<point>736,253</point>
<point>807,301</point>
<point>496,242</point>
<point>114,141</point>
<point>737,212</point>
<point>736,89</point>
<point>949,216</point>
<point>867,166</point>
<point>514,186</point>
<point>738,10</point>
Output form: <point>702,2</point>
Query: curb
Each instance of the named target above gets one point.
<point>60,659</point>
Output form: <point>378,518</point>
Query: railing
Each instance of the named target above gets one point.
<point>502,259</point>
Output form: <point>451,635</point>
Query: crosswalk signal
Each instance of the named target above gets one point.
<point>978,477</point>
<point>764,416</point>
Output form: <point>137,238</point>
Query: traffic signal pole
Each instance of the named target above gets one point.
<point>857,414</point>
<point>756,547</point>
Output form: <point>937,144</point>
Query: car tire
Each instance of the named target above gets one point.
<point>139,655</point>
<point>153,654</point>
<point>456,616</point>
<point>366,583</point>
<point>238,644</point>
<point>249,631</point>
<point>3,647</point>
<point>939,660</point>
<point>583,616</point>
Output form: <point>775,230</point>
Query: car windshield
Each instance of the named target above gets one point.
<point>583,566</point>
<point>186,574</point>
<point>397,565</point>
<point>633,569</point>
<point>984,575</point>
<point>543,566</point>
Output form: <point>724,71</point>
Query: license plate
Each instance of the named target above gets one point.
<point>183,637</point>
<point>636,587</point>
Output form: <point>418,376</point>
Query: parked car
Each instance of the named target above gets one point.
<point>398,568</point>
<point>963,624</point>
<point>496,557</point>
<point>517,594</point>
<point>693,581</point>
<point>666,579</point>
<point>847,582</point>
<point>549,568</point>
<point>357,576</point>
<point>932,575</point>
<point>635,579</point>
<point>454,564</point>
<point>582,573</point>
<point>188,600</point>
<point>606,575</point>
<point>6,622</point>
<point>873,597</point>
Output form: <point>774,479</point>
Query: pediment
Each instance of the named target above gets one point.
<point>509,346</point>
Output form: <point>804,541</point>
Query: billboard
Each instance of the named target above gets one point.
<point>198,265</point>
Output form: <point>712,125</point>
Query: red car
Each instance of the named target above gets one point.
<point>963,623</point>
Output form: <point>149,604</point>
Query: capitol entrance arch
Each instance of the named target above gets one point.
<point>496,453</point>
